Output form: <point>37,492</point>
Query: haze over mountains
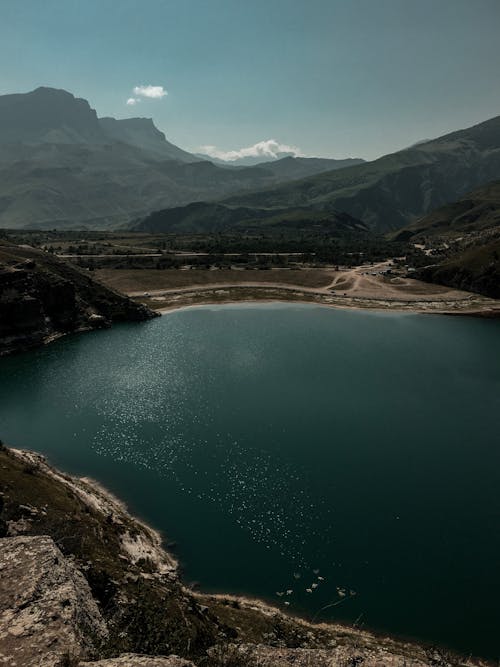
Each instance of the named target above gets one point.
<point>267,151</point>
<point>62,166</point>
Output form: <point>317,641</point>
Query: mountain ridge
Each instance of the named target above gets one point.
<point>392,191</point>
<point>62,166</point>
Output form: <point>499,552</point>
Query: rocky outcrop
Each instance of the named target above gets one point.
<point>43,298</point>
<point>47,611</point>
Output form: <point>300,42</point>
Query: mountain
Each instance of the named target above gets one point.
<point>393,191</point>
<point>142,133</point>
<point>206,217</point>
<point>48,115</point>
<point>62,166</point>
<point>299,167</point>
<point>290,168</point>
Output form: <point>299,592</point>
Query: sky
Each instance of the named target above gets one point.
<point>328,78</point>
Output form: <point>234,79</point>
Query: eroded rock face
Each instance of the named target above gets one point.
<point>43,297</point>
<point>134,660</point>
<point>47,612</point>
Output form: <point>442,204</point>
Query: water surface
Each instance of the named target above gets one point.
<point>277,444</point>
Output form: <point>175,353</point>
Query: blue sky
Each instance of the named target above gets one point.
<point>335,78</point>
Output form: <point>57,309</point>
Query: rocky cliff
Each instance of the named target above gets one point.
<point>43,298</point>
<point>83,583</point>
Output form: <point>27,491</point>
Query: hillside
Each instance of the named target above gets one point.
<point>461,242</point>
<point>477,212</point>
<point>43,297</point>
<point>206,217</point>
<point>394,190</point>
<point>142,133</point>
<point>475,269</point>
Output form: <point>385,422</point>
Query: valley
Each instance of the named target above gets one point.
<point>293,423</point>
<point>165,271</point>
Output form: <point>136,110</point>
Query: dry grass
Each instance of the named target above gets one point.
<point>125,280</point>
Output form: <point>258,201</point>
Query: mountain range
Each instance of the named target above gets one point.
<point>62,166</point>
<point>395,190</point>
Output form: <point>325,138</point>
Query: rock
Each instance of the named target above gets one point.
<point>134,660</point>
<point>342,656</point>
<point>42,298</point>
<point>47,612</point>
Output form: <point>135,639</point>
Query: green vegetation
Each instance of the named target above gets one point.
<point>263,249</point>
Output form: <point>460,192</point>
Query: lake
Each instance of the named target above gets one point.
<point>293,447</point>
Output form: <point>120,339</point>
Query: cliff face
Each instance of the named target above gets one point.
<point>83,583</point>
<point>43,298</point>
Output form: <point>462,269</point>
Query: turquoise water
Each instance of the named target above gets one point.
<point>277,444</point>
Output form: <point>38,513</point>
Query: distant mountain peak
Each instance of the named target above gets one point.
<point>49,115</point>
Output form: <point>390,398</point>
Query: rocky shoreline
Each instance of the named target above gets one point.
<point>43,298</point>
<point>84,583</point>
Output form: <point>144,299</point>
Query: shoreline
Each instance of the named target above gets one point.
<point>380,305</point>
<point>358,288</point>
<point>96,496</point>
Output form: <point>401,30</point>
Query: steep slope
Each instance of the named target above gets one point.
<point>48,115</point>
<point>43,297</point>
<point>392,191</point>
<point>203,217</point>
<point>477,212</point>
<point>142,133</point>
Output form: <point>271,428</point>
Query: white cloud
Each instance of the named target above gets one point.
<point>132,100</point>
<point>269,149</point>
<point>154,92</point>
